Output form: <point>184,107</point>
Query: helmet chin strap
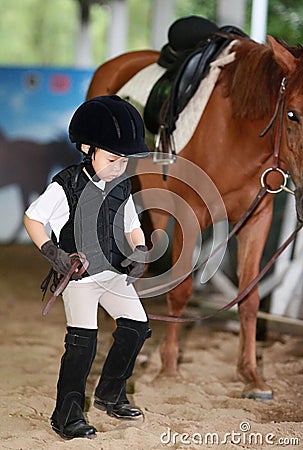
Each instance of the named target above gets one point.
<point>87,160</point>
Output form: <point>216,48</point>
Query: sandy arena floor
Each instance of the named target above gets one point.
<point>202,408</point>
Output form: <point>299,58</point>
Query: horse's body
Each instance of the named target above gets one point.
<point>227,146</point>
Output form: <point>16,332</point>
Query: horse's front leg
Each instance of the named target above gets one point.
<point>251,241</point>
<point>178,297</point>
<point>176,301</point>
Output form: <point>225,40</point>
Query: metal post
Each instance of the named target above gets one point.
<point>118,28</point>
<point>163,15</point>
<point>259,20</point>
<point>83,55</point>
<point>231,12</point>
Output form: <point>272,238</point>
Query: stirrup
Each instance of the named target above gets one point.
<point>165,152</point>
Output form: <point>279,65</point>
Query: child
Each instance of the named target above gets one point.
<point>90,209</point>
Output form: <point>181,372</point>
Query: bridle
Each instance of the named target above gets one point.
<point>278,115</point>
<point>277,119</point>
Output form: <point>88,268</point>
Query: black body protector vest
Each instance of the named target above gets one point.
<point>96,220</point>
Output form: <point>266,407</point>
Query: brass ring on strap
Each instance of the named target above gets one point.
<point>282,185</point>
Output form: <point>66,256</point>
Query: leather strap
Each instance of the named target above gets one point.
<point>75,339</point>
<point>240,297</point>
<point>79,265</point>
<point>257,200</point>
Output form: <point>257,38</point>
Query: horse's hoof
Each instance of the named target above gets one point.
<point>257,394</point>
<point>168,374</point>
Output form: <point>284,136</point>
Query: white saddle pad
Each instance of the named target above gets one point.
<point>138,88</point>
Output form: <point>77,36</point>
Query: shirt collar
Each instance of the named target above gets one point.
<point>100,183</point>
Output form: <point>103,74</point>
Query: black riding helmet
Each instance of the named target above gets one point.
<point>109,123</point>
<point>186,32</point>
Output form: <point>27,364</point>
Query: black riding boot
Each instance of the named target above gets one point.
<point>68,419</point>
<point>110,394</point>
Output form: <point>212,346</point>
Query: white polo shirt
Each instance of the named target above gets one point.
<point>51,207</point>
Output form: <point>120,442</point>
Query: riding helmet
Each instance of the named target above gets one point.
<point>109,123</point>
<point>186,32</point>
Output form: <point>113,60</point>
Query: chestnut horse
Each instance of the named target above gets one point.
<point>227,145</point>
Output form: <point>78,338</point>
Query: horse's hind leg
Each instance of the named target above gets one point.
<point>178,297</point>
<point>251,241</point>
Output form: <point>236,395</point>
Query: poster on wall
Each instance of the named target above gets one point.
<point>36,107</point>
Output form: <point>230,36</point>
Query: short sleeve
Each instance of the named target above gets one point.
<point>131,219</point>
<point>50,207</point>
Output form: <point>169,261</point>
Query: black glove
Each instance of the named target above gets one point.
<point>58,258</point>
<point>136,263</point>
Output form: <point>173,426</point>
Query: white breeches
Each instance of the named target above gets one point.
<point>81,301</point>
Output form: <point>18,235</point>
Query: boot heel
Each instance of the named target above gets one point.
<point>119,410</point>
<point>100,405</point>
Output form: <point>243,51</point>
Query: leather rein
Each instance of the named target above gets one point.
<point>265,188</point>
<point>79,264</point>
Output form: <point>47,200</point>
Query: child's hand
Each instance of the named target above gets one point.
<point>58,258</point>
<point>136,263</point>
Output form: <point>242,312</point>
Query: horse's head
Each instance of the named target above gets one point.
<point>291,62</point>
